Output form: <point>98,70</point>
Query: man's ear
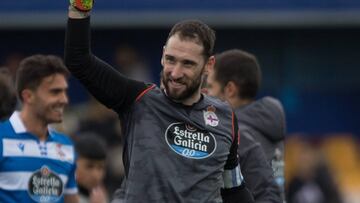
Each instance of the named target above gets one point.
<point>230,89</point>
<point>209,66</point>
<point>162,56</point>
<point>27,96</point>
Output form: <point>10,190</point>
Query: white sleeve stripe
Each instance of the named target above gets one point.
<point>71,191</point>
<point>232,178</point>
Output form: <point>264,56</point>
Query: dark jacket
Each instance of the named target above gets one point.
<point>264,121</point>
<point>257,172</point>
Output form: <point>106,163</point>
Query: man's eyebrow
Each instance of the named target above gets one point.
<point>169,56</point>
<point>184,61</point>
<point>187,61</point>
<point>58,89</point>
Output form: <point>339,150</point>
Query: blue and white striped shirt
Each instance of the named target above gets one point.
<point>32,170</point>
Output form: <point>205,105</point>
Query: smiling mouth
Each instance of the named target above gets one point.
<point>176,84</point>
<point>58,109</point>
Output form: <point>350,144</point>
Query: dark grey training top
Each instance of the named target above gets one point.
<point>172,152</point>
<point>177,153</point>
<point>264,120</point>
<point>257,172</point>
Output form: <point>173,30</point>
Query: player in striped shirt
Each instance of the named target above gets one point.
<point>37,164</point>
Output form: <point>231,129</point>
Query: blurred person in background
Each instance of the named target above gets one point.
<point>37,164</point>
<point>102,121</point>
<point>90,171</point>
<point>130,63</point>
<point>236,79</point>
<point>313,181</point>
<point>169,156</point>
<point>12,62</point>
<point>7,94</point>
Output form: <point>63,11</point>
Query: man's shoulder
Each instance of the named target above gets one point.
<point>60,137</point>
<point>5,128</point>
<point>219,104</point>
<point>151,91</point>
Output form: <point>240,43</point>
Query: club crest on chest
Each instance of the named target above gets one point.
<point>210,117</point>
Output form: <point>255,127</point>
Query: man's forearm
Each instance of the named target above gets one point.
<point>97,76</point>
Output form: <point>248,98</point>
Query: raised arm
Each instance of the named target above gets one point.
<point>105,83</point>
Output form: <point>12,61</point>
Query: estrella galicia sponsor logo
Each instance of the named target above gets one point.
<point>45,186</point>
<point>190,142</point>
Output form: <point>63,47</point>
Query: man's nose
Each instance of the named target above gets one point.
<point>64,98</point>
<point>177,71</point>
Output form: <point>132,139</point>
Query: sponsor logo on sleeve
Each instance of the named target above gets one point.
<point>60,152</point>
<point>21,146</point>
<point>190,142</point>
<point>45,186</point>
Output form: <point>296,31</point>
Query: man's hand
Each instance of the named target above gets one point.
<point>82,5</point>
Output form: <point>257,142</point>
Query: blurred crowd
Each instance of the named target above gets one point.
<point>325,169</point>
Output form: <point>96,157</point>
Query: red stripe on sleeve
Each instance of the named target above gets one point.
<point>233,125</point>
<point>144,92</point>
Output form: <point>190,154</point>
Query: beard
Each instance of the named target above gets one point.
<point>46,114</point>
<point>191,86</point>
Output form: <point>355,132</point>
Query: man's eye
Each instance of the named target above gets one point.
<point>189,64</point>
<point>170,60</point>
<point>54,92</point>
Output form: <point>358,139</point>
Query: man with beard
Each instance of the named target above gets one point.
<point>180,146</point>
<point>236,78</point>
<point>37,164</point>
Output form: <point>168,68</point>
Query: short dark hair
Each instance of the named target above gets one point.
<point>198,31</point>
<point>7,94</point>
<point>240,67</point>
<point>34,68</point>
<point>90,146</point>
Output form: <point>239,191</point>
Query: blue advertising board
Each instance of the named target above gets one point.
<point>184,5</point>
<point>163,12</point>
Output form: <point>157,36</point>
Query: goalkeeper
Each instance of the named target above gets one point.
<point>180,145</point>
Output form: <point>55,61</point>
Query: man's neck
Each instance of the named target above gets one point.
<point>189,101</point>
<point>237,103</point>
<point>33,124</point>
